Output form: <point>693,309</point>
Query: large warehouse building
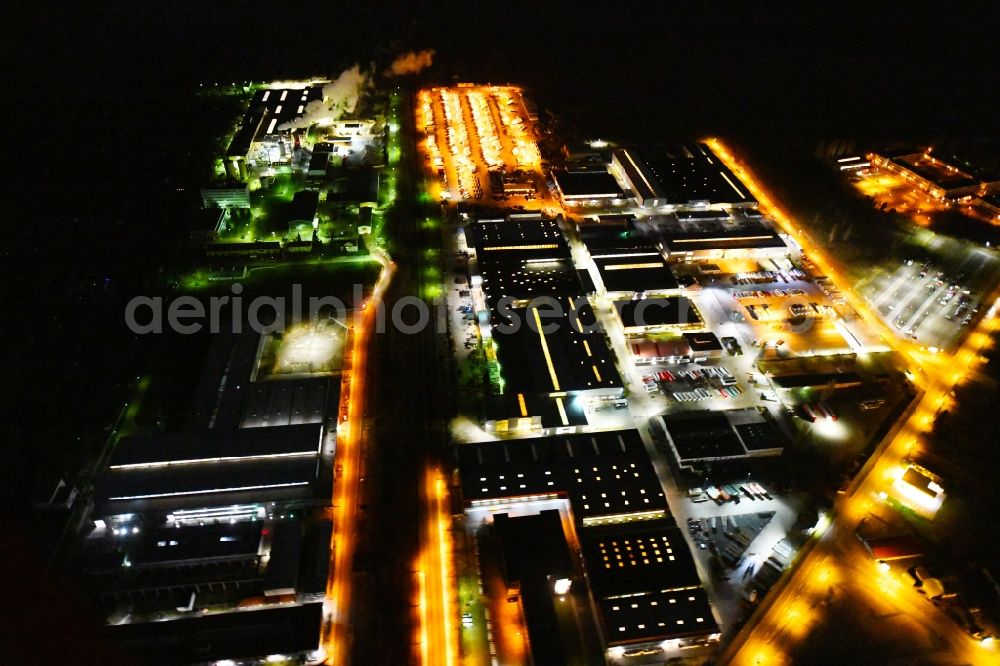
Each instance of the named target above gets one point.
<point>734,434</point>
<point>936,175</point>
<point>626,262</point>
<point>696,235</point>
<point>546,351</point>
<point>642,579</point>
<point>588,188</point>
<point>682,177</point>
<point>262,127</point>
<point>209,543</point>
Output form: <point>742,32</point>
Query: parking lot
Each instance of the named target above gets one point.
<point>793,317</point>
<point>924,303</point>
<point>458,301</point>
<point>693,383</point>
<point>480,143</point>
<point>729,556</point>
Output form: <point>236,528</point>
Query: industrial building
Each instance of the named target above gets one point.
<point>693,177</point>
<point>545,348</point>
<point>626,262</point>
<point>261,135</point>
<point>685,177</point>
<point>556,350</point>
<point>319,163</point>
<point>657,315</point>
<point>624,276</point>
<point>521,258</point>
<point>708,235</point>
<point>301,211</point>
<point>536,564</point>
<point>714,436</point>
<point>684,347</point>
<point>227,195</point>
<point>646,586</point>
<point>935,175</point>
<point>166,471</point>
<point>207,224</point>
<point>641,181</point>
<point>587,188</point>
<point>919,489</point>
<point>641,576</point>
<point>619,221</point>
<point>210,542</point>
<point>287,630</point>
<point>989,204</point>
<point>244,253</point>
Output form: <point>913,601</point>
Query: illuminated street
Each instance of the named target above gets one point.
<point>783,621</point>
<point>347,475</point>
<point>436,599</point>
<point>919,357</point>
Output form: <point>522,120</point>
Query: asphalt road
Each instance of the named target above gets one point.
<point>408,396</point>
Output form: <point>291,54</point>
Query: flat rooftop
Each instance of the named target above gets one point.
<point>171,545</point>
<point>287,402</point>
<point>156,450</point>
<point>208,482</point>
<point>657,616</point>
<point>282,572</point>
<point>703,341</point>
<point>302,207</point>
<point>604,474</point>
<point>567,353</point>
<point>762,436</point>
<point>670,311</point>
<point>804,379</point>
<point>645,272</point>
<point>703,435</point>
<point>508,405</point>
<point>645,556</point>
<point>533,546</point>
<point>320,160</point>
<point>642,178</point>
<point>534,549</point>
<point>721,435</point>
<point>587,185</point>
<point>167,471</point>
<point>650,348</point>
<point>604,240</point>
<point>620,221</point>
<point>268,110</point>
<point>686,233</point>
<point>690,173</point>
<point>527,279</point>
<point>217,404</point>
<point>238,635</point>
<point>523,238</point>
<point>935,170</point>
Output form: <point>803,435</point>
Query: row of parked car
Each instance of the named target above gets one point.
<point>765,277</point>
<point>731,492</point>
<point>739,295</point>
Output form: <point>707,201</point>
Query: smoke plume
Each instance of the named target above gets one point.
<point>340,96</point>
<point>411,62</point>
